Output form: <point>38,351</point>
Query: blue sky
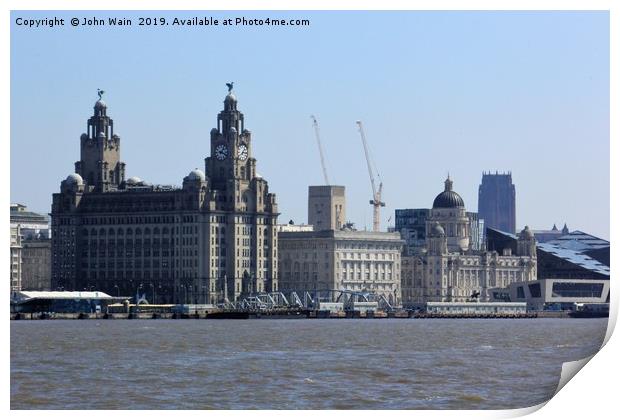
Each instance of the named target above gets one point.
<point>439,92</point>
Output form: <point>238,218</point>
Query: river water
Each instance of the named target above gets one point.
<point>294,363</point>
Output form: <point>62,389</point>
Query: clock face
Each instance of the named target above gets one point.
<point>242,152</point>
<point>221,152</point>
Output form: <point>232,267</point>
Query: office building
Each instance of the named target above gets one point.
<point>212,239</point>
<point>359,261</point>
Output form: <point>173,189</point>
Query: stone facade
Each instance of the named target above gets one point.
<point>341,259</point>
<point>30,250</point>
<point>326,207</point>
<point>36,265</point>
<point>212,239</point>
<point>449,270</point>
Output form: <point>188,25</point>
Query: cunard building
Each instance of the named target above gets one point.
<point>212,239</point>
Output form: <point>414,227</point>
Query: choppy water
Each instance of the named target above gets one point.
<point>294,364</point>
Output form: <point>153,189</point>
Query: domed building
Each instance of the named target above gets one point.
<point>447,269</point>
<point>449,212</point>
<point>212,239</point>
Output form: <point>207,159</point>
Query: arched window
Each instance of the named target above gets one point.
<point>156,231</point>
<point>138,231</point>
<point>111,231</point>
<point>147,231</point>
<point>101,232</point>
<point>129,231</point>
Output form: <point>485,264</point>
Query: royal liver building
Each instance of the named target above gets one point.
<point>212,239</point>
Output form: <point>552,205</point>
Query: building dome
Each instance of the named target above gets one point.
<point>196,175</point>
<point>230,98</point>
<point>134,180</point>
<point>526,233</point>
<point>100,104</point>
<point>437,230</point>
<point>74,179</point>
<point>448,198</point>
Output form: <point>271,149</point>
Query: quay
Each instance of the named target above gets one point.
<point>276,314</point>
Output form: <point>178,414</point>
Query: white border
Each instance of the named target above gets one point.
<point>591,395</point>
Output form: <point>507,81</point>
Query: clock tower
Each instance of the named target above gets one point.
<point>231,148</point>
<point>245,207</point>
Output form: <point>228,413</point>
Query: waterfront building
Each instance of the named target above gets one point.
<point>412,225</point>
<point>33,226</point>
<point>36,264</point>
<point>341,259</point>
<point>560,293</point>
<point>601,255</point>
<point>553,261</point>
<point>449,270</point>
<point>497,201</point>
<point>476,231</point>
<point>579,241</point>
<point>590,245</point>
<point>326,206</point>
<point>212,239</point>
<point>292,227</point>
<point>16,259</point>
<point>61,301</point>
<point>543,235</point>
<point>476,308</point>
<point>33,265</point>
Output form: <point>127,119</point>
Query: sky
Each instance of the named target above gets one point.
<point>438,93</point>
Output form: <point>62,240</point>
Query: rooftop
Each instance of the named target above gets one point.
<point>575,257</point>
<point>578,240</point>
<point>24,296</point>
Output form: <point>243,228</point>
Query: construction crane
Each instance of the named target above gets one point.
<point>376,192</point>
<point>318,140</point>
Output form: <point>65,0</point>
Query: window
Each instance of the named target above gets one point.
<point>534,290</point>
<point>577,289</point>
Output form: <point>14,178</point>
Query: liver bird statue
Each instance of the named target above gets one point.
<point>100,93</point>
<point>230,86</point>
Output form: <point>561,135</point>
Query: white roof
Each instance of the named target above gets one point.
<point>29,295</point>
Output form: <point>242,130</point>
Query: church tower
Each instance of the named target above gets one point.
<point>100,163</point>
